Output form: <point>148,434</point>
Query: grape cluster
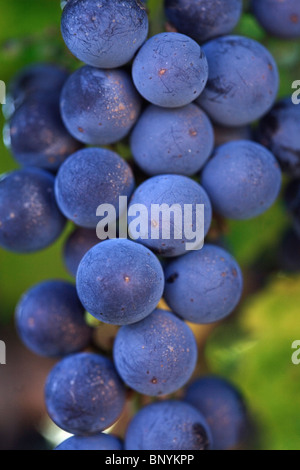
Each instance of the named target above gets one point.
<point>184,101</point>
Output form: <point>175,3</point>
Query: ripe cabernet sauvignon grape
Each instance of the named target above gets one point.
<point>243,81</point>
<point>36,78</point>
<point>89,178</point>
<point>38,135</point>
<point>224,409</point>
<point>104,34</point>
<point>98,442</point>
<point>281,18</point>
<point>172,140</point>
<point>120,282</point>
<point>106,106</point>
<point>203,286</point>
<point>84,394</point>
<point>170,190</point>
<point>79,242</point>
<point>29,217</point>
<point>50,319</point>
<point>243,179</point>
<point>168,425</point>
<point>203,19</point>
<point>170,70</point>
<point>157,355</point>
<point>279,132</point>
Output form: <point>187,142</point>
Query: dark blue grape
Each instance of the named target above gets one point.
<point>151,228</point>
<point>243,180</point>
<point>170,70</point>
<point>104,34</point>
<point>98,442</point>
<point>99,107</point>
<point>29,217</point>
<point>203,19</point>
<point>224,409</point>
<point>279,132</point>
<point>89,178</point>
<point>172,140</point>
<point>168,425</point>
<point>36,78</point>
<point>280,18</point>
<point>243,81</point>
<point>120,282</point>
<point>38,135</point>
<point>157,355</point>
<point>203,286</point>
<point>50,319</point>
<point>84,394</point>
<point>79,242</point>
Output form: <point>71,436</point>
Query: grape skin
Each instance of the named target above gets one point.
<point>166,141</point>
<point>104,34</point>
<point>168,425</point>
<point>29,216</point>
<point>106,106</point>
<point>156,356</point>
<point>243,180</point>
<point>50,319</point>
<point>170,70</point>
<point>83,394</point>
<point>204,19</point>
<point>223,407</point>
<point>278,18</point>
<point>243,81</point>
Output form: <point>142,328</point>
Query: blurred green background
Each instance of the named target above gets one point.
<point>253,347</point>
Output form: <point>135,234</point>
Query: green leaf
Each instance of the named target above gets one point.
<point>156,15</point>
<point>249,238</point>
<point>248,26</point>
